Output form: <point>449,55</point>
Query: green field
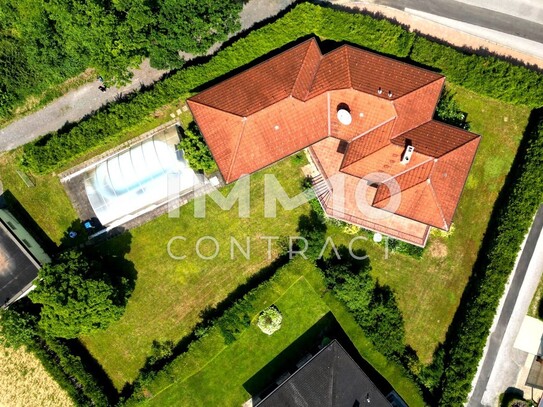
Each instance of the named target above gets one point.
<point>212,373</point>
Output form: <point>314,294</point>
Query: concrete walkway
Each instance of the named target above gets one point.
<point>501,362</point>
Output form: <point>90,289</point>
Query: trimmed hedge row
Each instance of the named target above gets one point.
<point>69,372</point>
<point>465,347</point>
<point>485,75</point>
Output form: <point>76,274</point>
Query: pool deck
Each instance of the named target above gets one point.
<point>73,181</point>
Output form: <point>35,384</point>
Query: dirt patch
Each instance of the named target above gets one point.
<point>438,249</point>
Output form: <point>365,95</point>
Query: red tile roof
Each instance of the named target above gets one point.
<point>290,102</point>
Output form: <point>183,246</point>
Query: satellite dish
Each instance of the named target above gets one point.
<point>344,117</point>
<point>377,237</point>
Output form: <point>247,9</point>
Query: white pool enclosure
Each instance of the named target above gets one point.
<point>138,179</point>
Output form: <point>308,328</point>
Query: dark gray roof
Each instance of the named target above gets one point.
<point>330,379</point>
<point>17,268</point>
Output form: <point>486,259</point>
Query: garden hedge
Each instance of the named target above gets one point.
<point>523,197</point>
<point>482,74</point>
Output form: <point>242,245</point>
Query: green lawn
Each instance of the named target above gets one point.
<point>212,373</point>
<point>170,294</point>
<point>429,290</point>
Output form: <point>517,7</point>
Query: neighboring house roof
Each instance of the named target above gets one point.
<point>331,378</point>
<point>18,268</point>
<point>291,102</point>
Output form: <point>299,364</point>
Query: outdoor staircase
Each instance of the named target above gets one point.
<point>321,188</point>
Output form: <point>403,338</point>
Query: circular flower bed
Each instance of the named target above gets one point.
<point>269,320</point>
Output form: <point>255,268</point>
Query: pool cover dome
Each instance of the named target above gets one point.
<point>140,178</point>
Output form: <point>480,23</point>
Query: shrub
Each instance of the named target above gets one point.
<point>482,74</point>
<point>269,320</point>
<point>77,297</point>
<point>509,225</point>
<point>195,150</point>
<point>373,306</point>
<point>448,111</point>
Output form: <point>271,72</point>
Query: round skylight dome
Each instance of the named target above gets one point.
<point>344,117</point>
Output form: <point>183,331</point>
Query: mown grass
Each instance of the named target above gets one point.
<point>46,203</point>
<point>212,373</point>
<point>171,294</point>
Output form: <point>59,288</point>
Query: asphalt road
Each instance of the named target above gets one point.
<point>507,317</point>
<point>460,11</point>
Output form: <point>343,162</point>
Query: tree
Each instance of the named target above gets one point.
<point>17,327</point>
<point>77,297</point>
<point>195,150</point>
<point>191,26</point>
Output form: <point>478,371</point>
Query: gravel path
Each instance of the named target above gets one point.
<point>71,107</point>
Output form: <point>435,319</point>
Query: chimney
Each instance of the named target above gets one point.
<point>406,157</point>
<point>389,93</point>
<point>379,91</point>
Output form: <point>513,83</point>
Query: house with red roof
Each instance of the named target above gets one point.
<point>367,123</point>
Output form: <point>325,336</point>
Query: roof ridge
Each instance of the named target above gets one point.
<point>438,203</point>
<point>363,134</point>
<point>412,168</point>
<point>211,107</point>
<point>233,160</point>
<point>348,57</point>
<point>475,136</point>
<point>311,41</point>
<point>406,189</point>
<point>420,87</point>
<point>373,128</point>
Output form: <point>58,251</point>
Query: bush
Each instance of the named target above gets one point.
<point>448,111</point>
<point>482,74</point>
<point>269,320</point>
<point>373,306</point>
<point>195,150</point>
<point>523,197</point>
<point>236,319</point>
<point>77,297</point>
